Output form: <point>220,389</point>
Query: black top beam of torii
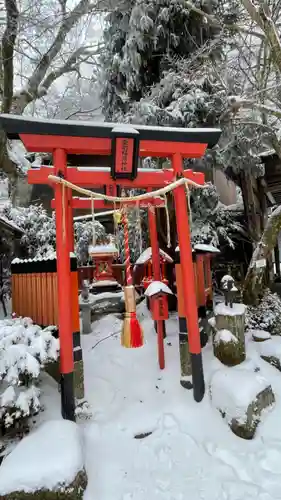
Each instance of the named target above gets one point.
<point>14,126</point>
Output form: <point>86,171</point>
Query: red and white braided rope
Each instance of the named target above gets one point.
<point>129,279</point>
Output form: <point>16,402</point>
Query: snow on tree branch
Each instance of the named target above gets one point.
<point>24,349</point>
<point>237,102</point>
<point>36,85</point>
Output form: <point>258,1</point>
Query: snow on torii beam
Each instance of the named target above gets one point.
<point>85,138</point>
<point>95,138</point>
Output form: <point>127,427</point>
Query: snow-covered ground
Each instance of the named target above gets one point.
<point>191,452</point>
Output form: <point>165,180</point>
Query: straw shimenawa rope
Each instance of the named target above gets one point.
<point>126,199</point>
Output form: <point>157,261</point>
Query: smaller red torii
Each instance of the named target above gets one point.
<point>123,145</point>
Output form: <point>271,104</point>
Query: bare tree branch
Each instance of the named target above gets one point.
<point>262,17</point>
<point>81,112</point>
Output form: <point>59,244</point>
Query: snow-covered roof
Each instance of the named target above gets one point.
<point>157,287</point>
<point>10,225</point>
<point>202,247</point>
<point>102,249</point>
<point>147,255</point>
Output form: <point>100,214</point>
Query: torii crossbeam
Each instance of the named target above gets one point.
<point>123,145</point>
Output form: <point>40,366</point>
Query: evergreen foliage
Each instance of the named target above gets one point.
<point>24,349</point>
<point>163,64</point>
<point>141,36</point>
<point>39,238</point>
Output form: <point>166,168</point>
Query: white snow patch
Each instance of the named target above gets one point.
<point>234,390</point>
<point>157,287</point>
<point>212,322</point>
<point>125,129</point>
<point>236,310</point>
<point>225,336</point>
<point>147,255</point>
<point>50,455</point>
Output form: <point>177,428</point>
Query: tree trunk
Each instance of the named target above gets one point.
<point>255,281</point>
<point>277,260</point>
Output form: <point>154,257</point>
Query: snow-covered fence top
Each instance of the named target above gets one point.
<point>46,264</point>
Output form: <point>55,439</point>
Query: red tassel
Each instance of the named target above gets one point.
<point>136,332</point>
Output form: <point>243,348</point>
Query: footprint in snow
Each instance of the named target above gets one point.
<point>227,458</point>
<point>270,461</point>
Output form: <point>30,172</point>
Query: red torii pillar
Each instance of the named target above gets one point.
<point>188,281</point>
<point>63,236</point>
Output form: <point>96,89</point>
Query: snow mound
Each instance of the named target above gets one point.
<point>233,391</point>
<point>50,456</point>
<point>236,310</point>
<point>259,334</point>
<point>271,348</point>
<point>225,336</point>
<point>157,287</point>
<point>147,255</point>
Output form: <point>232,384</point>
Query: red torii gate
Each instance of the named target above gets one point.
<point>123,145</point>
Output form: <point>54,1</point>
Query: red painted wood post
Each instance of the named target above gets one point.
<point>157,277</point>
<point>64,291</point>
<point>189,291</point>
